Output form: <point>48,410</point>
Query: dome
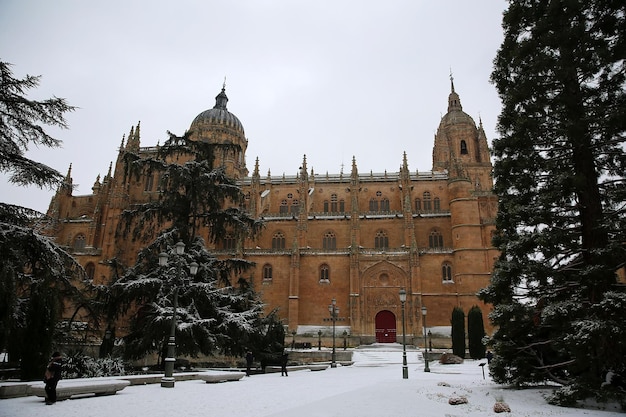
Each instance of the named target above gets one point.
<point>217,117</point>
<point>455,113</point>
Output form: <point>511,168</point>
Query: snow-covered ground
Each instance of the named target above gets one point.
<point>372,386</point>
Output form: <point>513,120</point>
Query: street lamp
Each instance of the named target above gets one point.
<point>168,379</point>
<point>426,368</point>
<point>405,369</point>
<point>334,312</point>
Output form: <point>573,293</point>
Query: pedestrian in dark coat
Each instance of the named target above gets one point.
<point>489,356</point>
<point>52,377</point>
<point>283,364</point>
<point>249,362</point>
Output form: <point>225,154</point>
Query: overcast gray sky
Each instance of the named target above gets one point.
<point>329,79</point>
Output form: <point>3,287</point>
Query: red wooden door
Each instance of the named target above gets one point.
<point>385,327</point>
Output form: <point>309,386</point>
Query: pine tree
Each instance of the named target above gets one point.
<point>475,333</point>
<point>213,314</point>
<point>458,332</point>
<point>35,273</point>
<point>559,171</point>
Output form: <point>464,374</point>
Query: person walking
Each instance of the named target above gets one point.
<point>249,362</point>
<point>283,364</point>
<point>52,377</point>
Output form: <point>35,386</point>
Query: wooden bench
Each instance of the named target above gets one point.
<point>75,388</point>
<point>217,376</point>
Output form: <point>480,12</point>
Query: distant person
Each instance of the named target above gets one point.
<point>283,364</point>
<point>52,377</point>
<point>249,362</point>
<point>489,356</point>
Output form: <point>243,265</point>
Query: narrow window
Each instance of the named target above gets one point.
<point>90,270</point>
<point>295,205</point>
<point>418,204</point>
<point>267,272</point>
<point>326,206</point>
<point>384,204</point>
<point>324,273</point>
<point>463,148</point>
<point>373,205</point>
<point>284,208</point>
<point>333,203</point>
<point>446,272</point>
<point>342,206</point>
<point>427,202</point>
<point>437,204</point>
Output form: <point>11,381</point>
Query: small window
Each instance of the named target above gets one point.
<point>333,203</point>
<point>267,272</point>
<point>324,273</point>
<point>373,205</point>
<point>463,148</point>
<point>446,272</point>
<point>90,270</point>
<point>418,204</point>
<point>384,204</point>
<point>229,242</point>
<point>284,208</point>
<point>326,206</point>
<point>437,204</point>
<point>79,242</point>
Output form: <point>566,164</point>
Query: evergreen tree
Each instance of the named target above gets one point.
<point>35,273</point>
<point>559,171</point>
<point>475,333</point>
<point>213,314</point>
<point>458,332</point>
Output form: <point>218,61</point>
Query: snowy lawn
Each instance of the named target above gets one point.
<point>373,386</point>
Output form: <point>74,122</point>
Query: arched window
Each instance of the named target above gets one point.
<point>418,204</point>
<point>435,239</point>
<point>326,206</point>
<point>149,182</point>
<point>295,205</point>
<point>373,204</point>
<point>463,148</point>
<point>284,208</point>
<point>446,272</point>
<point>329,241</point>
<point>229,241</point>
<point>267,272</point>
<point>342,206</point>
<point>381,240</point>
<point>384,204</point>
<point>324,272</point>
<point>79,242</point>
<point>427,201</point>
<point>437,204</point>
<point>333,203</point>
<point>278,241</point>
<point>90,270</point>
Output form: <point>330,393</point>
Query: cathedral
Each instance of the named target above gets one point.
<point>357,239</point>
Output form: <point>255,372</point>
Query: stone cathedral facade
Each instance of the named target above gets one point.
<point>356,237</point>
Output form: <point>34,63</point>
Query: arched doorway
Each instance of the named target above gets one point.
<point>385,327</point>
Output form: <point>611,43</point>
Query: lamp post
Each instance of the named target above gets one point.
<point>405,369</point>
<point>426,368</point>
<point>168,379</point>
<point>334,312</point>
